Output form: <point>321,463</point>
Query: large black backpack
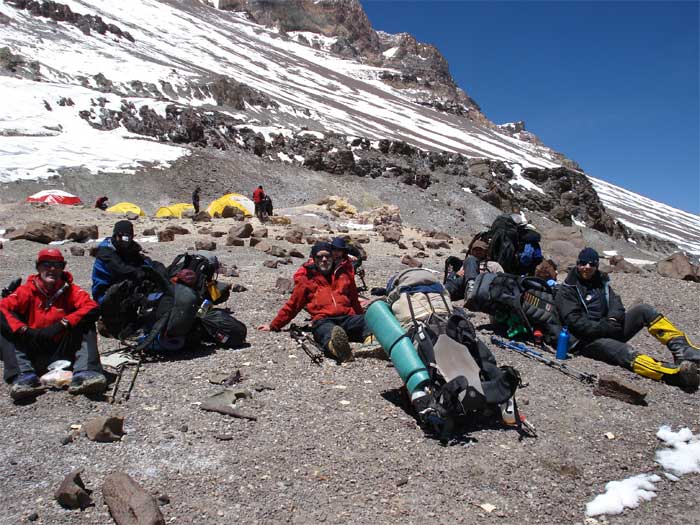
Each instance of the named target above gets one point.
<point>503,243</point>
<point>529,298</point>
<point>205,268</point>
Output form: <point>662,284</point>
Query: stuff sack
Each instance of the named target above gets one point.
<point>417,294</point>
<point>223,329</point>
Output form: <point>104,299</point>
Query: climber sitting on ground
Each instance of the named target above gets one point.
<point>48,319</point>
<point>596,317</point>
<point>328,292</point>
<point>475,263</point>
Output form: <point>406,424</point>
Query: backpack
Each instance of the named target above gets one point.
<point>223,329</point>
<point>204,266</point>
<point>516,247</point>
<point>529,300</point>
<point>465,378</point>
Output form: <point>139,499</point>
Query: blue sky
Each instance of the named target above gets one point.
<point>612,85</point>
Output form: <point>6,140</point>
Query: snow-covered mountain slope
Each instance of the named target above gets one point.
<point>647,216</point>
<point>181,45</point>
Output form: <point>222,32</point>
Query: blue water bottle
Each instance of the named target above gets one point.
<point>563,343</point>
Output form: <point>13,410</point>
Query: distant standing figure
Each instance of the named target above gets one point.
<point>101,203</point>
<point>259,201</point>
<point>195,199</point>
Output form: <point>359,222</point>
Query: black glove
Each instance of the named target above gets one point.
<point>49,332</point>
<point>29,336</point>
<point>611,328</point>
<point>11,287</point>
<point>378,291</point>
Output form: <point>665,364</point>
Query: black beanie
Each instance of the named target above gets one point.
<point>319,247</point>
<point>588,255</point>
<point>123,228</point>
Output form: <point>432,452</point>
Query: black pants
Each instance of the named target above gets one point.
<point>259,209</point>
<point>617,351</point>
<point>196,207</point>
<point>77,346</point>
<point>354,326</point>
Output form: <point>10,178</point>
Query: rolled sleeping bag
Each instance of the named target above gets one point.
<point>397,345</point>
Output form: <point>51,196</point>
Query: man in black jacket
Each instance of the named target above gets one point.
<point>118,258</point>
<point>596,316</point>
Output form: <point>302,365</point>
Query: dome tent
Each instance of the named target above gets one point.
<point>124,207</point>
<point>173,210</point>
<point>55,197</point>
<point>235,200</point>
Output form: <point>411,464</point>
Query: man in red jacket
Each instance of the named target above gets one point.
<point>258,200</point>
<point>45,320</point>
<point>328,292</point>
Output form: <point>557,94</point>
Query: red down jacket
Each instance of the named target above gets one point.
<point>322,297</point>
<point>30,306</point>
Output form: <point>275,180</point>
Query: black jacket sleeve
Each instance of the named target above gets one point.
<point>616,310</point>
<point>117,268</point>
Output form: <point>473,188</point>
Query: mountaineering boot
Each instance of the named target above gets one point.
<point>675,340</point>
<point>25,385</point>
<point>87,382</point>
<point>339,346</point>
<point>685,376</point>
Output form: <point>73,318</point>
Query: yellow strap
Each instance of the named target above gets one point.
<point>213,291</point>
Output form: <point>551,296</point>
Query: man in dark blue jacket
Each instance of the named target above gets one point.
<point>118,259</point>
<point>596,316</point>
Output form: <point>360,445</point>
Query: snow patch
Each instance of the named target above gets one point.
<point>390,52</point>
<point>577,222</point>
<point>626,493</point>
<point>683,456</point>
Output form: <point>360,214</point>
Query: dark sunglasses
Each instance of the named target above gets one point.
<point>587,263</point>
<point>324,256</point>
<point>53,264</point>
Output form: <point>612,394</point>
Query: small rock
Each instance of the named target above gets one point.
<point>296,253</point>
<point>78,251</point>
<point>184,428</point>
<point>217,235</point>
<point>131,216</point>
<point>163,499</point>
<point>418,246</point>
<point>166,236</point>
<point>263,246</point>
<point>279,220</point>
<point>150,231</point>
<point>410,261</point>
<point>294,236</point>
<point>271,264</point>
<point>205,245</point>
<point>105,429</point>
<point>276,251</point>
<point>402,246</point>
<point>177,230</point>
<point>235,241</point>
<point>259,233</point>
<point>72,493</point>
<point>238,288</point>
<point>33,516</point>
<point>401,482</point>
<point>202,216</point>
<point>242,231</point>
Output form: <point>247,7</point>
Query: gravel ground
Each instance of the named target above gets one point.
<point>335,443</point>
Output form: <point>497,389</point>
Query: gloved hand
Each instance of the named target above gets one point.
<point>49,332</point>
<point>29,336</point>
<point>611,328</point>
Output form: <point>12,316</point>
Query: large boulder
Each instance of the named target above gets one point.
<point>294,236</point>
<point>205,245</point>
<point>620,265</point>
<point>42,232</point>
<point>231,212</point>
<point>678,266</point>
<point>81,233</point>
<point>202,216</point>
<point>390,232</point>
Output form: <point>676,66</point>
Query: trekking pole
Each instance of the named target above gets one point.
<point>315,354</point>
<point>525,350</point>
<point>605,385</point>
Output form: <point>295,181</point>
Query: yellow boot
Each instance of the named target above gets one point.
<point>675,340</point>
<point>684,376</point>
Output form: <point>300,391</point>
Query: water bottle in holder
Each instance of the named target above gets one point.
<point>563,343</point>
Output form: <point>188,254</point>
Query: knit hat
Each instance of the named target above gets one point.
<point>123,228</point>
<point>339,243</point>
<point>320,247</point>
<point>480,244</point>
<point>588,255</point>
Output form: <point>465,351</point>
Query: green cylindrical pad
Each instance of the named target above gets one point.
<point>397,345</point>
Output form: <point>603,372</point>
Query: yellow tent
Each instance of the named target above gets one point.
<point>173,210</point>
<point>235,200</point>
<point>123,207</point>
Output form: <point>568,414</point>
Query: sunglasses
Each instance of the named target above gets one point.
<point>323,256</point>
<point>583,264</point>
<point>53,264</point>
